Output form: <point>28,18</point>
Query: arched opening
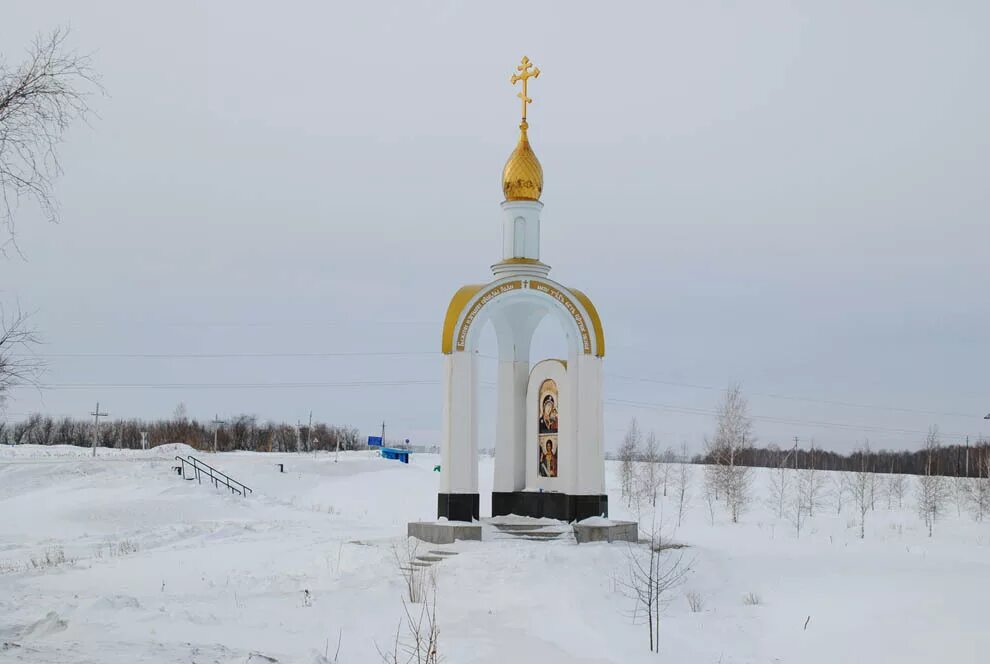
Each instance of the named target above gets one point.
<point>499,343</point>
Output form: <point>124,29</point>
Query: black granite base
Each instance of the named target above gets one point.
<point>562,506</point>
<point>458,506</point>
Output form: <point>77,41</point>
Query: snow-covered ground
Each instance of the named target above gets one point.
<point>116,559</point>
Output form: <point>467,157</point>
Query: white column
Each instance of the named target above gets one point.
<point>459,446</point>
<point>591,426</point>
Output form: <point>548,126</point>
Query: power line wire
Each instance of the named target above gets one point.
<point>202,356</point>
<point>356,383</point>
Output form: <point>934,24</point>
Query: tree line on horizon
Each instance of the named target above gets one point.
<point>240,432</point>
<point>945,460</point>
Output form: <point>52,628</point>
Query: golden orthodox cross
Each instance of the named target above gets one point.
<point>527,71</point>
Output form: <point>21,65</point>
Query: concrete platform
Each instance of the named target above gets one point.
<point>610,531</point>
<point>444,532</point>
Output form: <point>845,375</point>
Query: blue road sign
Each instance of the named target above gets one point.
<point>374,441</point>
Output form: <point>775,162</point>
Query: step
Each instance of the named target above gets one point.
<point>519,527</point>
<point>540,534</point>
<point>438,552</point>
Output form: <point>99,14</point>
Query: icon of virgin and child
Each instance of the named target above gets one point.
<point>548,429</point>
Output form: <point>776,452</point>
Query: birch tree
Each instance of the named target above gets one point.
<point>628,453</point>
<point>859,486</point>
<point>682,481</point>
<point>932,490</point>
<point>650,472</point>
<point>733,436</point>
<point>780,484</point>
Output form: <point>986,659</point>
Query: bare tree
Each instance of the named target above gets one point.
<point>650,473</point>
<point>732,438</point>
<point>979,491</point>
<point>860,486</point>
<point>667,460</point>
<point>896,488</point>
<point>18,364</point>
<point>652,574</point>
<point>628,453</point>
<point>797,511</point>
<point>780,484</point>
<point>39,100</point>
<point>810,487</point>
<point>840,482</point>
<point>932,489</point>
<point>682,481</point>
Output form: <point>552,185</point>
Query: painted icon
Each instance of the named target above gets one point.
<point>548,406</point>
<point>548,456</point>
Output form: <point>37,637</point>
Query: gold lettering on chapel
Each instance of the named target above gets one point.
<point>479,305</point>
<point>536,285</point>
<point>571,309</point>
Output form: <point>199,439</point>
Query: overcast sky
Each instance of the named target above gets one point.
<point>790,195</point>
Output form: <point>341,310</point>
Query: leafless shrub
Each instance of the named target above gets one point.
<point>420,643</point>
<point>53,557</point>
<point>752,599</point>
<point>651,575</point>
<point>418,578</point>
<point>695,602</point>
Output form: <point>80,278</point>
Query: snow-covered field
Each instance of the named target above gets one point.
<point>116,559</point>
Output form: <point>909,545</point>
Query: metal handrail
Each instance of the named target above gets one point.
<point>220,472</point>
<point>215,475</point>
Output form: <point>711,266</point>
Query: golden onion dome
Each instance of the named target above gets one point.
<point>522,177</point>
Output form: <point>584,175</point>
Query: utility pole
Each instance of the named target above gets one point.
<point>96,422</point>
<point>309,431</point>
<point>216,428</point>
<point>298,444</point>
<point>383,433</point>
<point>795,452</point>
<point>967,457</point>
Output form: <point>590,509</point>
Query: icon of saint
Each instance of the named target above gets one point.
<point>548,414</point>
<point>548,459</point>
